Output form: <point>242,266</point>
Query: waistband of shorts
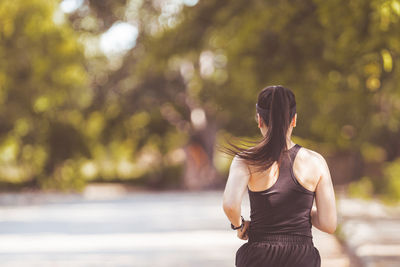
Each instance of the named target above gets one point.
<point>281,238</point>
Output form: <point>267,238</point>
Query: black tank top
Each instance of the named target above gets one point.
<point>284,208</point>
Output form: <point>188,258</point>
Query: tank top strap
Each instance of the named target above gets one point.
<point>289,155</point>
<point>286,169</point>
<point>293,152</point>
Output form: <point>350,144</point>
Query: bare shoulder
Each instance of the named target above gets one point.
<point>311,156</point>
<point>312,163</point>
<point>239,163</point>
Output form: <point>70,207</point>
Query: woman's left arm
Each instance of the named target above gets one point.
<point>236,185</point>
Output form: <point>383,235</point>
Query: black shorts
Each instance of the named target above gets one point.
<point>278,251</point>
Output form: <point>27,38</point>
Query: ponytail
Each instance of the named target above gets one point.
<point>276,106</point>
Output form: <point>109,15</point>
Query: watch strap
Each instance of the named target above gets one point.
<point>240,226</point>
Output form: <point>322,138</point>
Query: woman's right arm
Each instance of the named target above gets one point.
<point>324,216</point>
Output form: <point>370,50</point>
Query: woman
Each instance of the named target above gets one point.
<point>282,180</point>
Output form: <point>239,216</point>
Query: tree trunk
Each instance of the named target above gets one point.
<point>199,172</point>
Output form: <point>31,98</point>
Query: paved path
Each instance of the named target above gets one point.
<point>113,228</point>
<point>372,231</point>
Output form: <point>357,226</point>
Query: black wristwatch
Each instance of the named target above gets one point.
<point>240,226</point>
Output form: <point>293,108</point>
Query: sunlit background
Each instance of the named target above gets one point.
<point>112,113</point>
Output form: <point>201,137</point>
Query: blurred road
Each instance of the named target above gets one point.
<point>110,227</point>
<point>372,231</point>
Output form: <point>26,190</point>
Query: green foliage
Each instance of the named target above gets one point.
<point>392,180</point>
<point>342,71</point>
<point>69,116</point>
<point>66,177</point>
<point>363,188</point>
<point>42,82</point>
<point>386,187</point>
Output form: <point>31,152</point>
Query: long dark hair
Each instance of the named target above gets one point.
<point>276,106</point>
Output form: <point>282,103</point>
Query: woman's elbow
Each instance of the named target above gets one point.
<point>327,223</point>
<point>331,228</point>
<point>229,207</point>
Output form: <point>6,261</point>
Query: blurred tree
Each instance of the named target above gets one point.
<point>43,82</point>
<point>192,66</point>
<point>136,89</point>
<point>71,113</point>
